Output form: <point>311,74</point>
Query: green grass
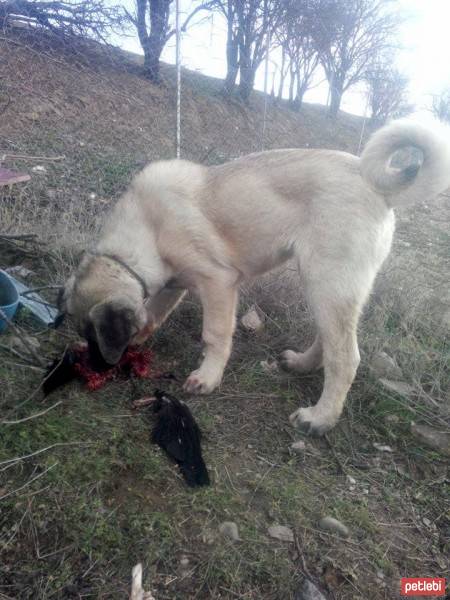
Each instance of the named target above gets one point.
<point>106,498</point>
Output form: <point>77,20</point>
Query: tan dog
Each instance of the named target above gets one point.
<point>184,226</point>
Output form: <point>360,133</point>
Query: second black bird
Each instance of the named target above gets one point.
<point>178,434</point>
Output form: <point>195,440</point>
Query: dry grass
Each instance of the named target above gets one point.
<point>77,516</point>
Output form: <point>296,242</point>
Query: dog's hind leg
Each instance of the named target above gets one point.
<point>219,299</point>
<point>304,362</point>
<point>337,320</point>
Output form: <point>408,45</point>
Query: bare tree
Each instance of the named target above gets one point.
<point>440,105</point>
<point>88,18</point>
<point>251,26</point>
<point>387,93</point>
<point>152,22</point>
<point>299,49</point>
<point>228,8</point>
<point>349,35</point>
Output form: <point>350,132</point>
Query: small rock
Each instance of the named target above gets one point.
<point>433,438</point>
<point>251,321</point>
<point>299,446</point>
<point>208,537</point>
<point>39,169</point>
<point>309,591</point>
<point>351,480</point>
<point>426,522</point>
<point>184,561</point>
<point>384,366</point>
<point>335,526</point>
<point>392,419</point>
<point>382,448</point>
<point>229,529</point>
<point>269,367</point>
<point>281,532</point>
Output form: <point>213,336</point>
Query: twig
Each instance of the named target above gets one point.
<point>40,361</point>
<point>34,392</point>
<point>336,457</point>
<point>35,416</point>
<point>15,353</point>
<point>27,157</point>
<point>305,570</point>
<point>40,288</point>
<point>29,482</point>
<point>24,366</point>
<point>41,450</point>
<point>19,236</point>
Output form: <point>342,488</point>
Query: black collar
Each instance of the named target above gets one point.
<point>130,271</point>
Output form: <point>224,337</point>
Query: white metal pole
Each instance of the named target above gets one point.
<point>178,65</point>
<point>266,77</point>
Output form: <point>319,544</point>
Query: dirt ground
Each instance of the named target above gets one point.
<point>84,495</point>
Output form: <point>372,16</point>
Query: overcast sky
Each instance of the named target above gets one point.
<point>424,58</point>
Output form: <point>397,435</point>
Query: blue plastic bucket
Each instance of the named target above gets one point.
<point>9,299</point>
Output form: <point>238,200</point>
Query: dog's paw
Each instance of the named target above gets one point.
<point>294,361</point>
<point>198,383</point>
<point>312,421</point>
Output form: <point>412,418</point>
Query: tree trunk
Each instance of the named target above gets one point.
<point>282,74</point>
<point>298,102</point>
<point>336,92</point>
<point>232,65</point>
<point>292,75</point>
<point>246,82</point>
<point>152,53</point>
<point>152,43</point>
<point>246,73</point>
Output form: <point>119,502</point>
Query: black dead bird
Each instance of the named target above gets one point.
<point>178,434</point>
<point>60,372</point>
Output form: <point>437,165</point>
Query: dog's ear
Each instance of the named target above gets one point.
<point>115,323</point>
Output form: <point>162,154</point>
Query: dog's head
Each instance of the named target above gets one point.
<point>106,305</point>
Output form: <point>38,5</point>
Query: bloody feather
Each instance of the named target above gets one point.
<point>178,434</point>
<point>77,362</point>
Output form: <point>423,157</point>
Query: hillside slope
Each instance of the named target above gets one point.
<point>94,107</point>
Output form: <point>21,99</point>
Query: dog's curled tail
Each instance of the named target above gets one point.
<point>415,182</point>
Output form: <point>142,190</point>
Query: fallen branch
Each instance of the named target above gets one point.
<point>34,416</point>
<point>40,451</point>
<point>304,568</point>
<point>40,361</point>
<point>25,237</point>
<point>16,353</point>
<point>29,482</point>
<point>26,157</point>
<point>24,366</point>
<point>40,288</point>
<point>34,392</point>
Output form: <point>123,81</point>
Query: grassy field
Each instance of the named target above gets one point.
<point>84,495</point>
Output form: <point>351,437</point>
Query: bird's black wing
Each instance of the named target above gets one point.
<point>59,372</point>
<point>177,432</point>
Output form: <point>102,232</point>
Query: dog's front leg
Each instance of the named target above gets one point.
<point>219,298</point>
